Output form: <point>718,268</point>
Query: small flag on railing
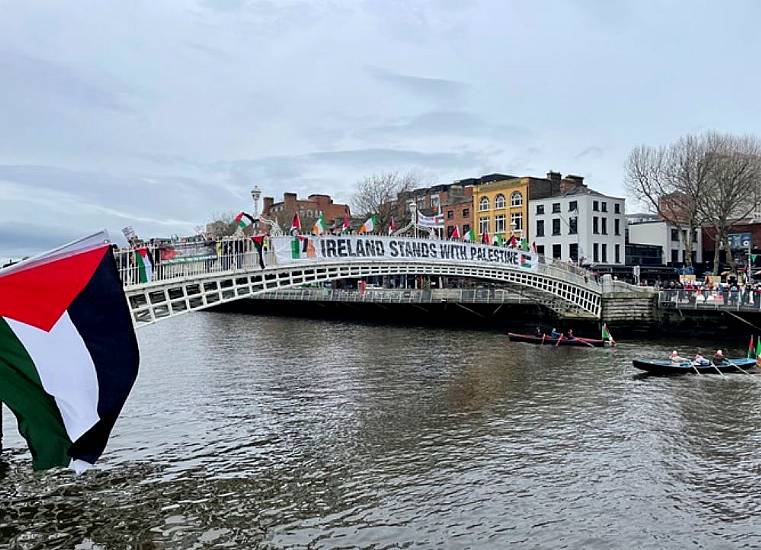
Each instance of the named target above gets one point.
<point>296,223</point>
<point>243,220</point>
<point>455,233</point>
<point>751,349</point>
<point>470,236</point>
<point>368,226</point>
<point>606,334</point>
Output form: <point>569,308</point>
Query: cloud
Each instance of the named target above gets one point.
<point>435,88</point>
<point>18,239</point>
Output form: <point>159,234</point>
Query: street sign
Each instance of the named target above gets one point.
<point>739,241</point>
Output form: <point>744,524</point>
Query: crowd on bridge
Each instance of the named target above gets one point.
<point>731,293</point>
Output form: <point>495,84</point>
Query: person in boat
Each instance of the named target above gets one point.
<point>555,334</point>
<point>570,334</point>
<point>676,358</point>
<point>538,332</point>
<point>700,360</point>
<point>718,357</point>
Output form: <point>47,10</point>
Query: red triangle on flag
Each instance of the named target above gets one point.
<point>40,294</point>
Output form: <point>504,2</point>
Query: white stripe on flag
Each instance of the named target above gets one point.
<point>66,371</point>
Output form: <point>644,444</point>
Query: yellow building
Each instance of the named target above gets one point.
<point>501,208</point>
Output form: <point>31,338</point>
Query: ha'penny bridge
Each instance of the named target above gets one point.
<point>180,278</point>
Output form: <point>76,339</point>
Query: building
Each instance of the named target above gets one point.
<point>744,238</point>
<point>644,229</point>
<point>580,225</point>
<point>459,214</point>
<point>309,209</point>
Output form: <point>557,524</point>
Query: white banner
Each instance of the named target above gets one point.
<point>436,221</point>
<point>361,248</point>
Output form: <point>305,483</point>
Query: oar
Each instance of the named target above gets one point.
<point>737,367</point>
<point>695,369</point>
<point>543,335</point>
<point>559,339</point>
<point>717,369</point>
<point>587,343</point>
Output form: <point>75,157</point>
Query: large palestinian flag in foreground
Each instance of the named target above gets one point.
<point>68,352</point>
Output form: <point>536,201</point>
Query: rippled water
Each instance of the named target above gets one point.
<point>269,432</point>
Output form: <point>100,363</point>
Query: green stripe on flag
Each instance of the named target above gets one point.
<point>39,419</point>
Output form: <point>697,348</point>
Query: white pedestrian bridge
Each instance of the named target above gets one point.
<point>184,277</point>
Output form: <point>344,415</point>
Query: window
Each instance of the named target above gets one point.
<point>465,228</point>
<point>604,206</point>
<point>617,226</point>
<point>465,212</point>
<point>573,226</point>
<point>595,225</point>
<point>555,207</point>
<point>516,199</point>
<point>556,226</point>
<point>617,207</point>
<point>516,221</point>
<point>484,204</point>
<point>540,228</point>
<point>499,224</point>
<point>499,201</point>
<point>604,226</point>
<point>573,206</point>
<point>618,253</point>
<point>604,250</point>
<point>595,253</point>
<point>540,209</point>
<point>596,206</point>
<point>675,235</point>
<point>483,225</point>
<point>540,249</point>
<point>674,257</point>
<point>573,252</point>
<point>450,214</point>
<point>556,251</point>
<point>435,202</point>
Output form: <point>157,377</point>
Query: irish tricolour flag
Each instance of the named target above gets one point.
<point>369,226</point>
<point>68,352</point>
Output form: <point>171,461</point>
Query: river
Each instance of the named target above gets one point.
<point>246,432</point>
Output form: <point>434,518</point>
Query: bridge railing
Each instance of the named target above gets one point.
<point>167,261</point>
<point>710,299</point>
<point>400,295</point>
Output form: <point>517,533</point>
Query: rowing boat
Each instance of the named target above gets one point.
<point>563,341</point>
<point>656,366</point>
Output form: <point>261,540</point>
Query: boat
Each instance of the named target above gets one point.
<point>549,341</point>
<point>657,366</point>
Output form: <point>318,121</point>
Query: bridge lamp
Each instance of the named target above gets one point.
<point>255,194</point>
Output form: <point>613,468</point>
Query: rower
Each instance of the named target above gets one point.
<point>539,332</point>
<point>700,360</point>
<point>718,357</point>
<point>570,334</point>
<point>555,334</point>
<point>675,358</point>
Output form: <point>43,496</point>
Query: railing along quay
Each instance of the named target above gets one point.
<point>710,299</point>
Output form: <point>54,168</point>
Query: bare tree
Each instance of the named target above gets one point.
<point>383,195</point>
<point>672,180</point>
<point>222,225</point>
<point>734,187</point>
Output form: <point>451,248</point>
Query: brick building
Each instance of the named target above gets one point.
<point>308,209</point>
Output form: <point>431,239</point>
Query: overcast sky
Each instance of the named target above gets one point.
<point>158,114</point>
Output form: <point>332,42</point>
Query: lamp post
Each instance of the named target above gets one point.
<point>255,194</point>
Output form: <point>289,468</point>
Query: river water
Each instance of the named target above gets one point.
<point>247,432</point>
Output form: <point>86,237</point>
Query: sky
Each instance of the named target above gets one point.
<point>162,114</point>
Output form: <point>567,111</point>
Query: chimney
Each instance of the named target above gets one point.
<point>290,200</point>
<point>268,202</point>
<point>571,182</point>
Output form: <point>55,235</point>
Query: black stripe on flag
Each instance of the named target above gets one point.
<point>102,317</point>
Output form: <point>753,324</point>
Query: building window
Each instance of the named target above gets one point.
<point>483,225</point>
<point>465,212</point>
<point>435,202</point>
<point>465,228</point>
<point>540,249</point>
<point>557,251</point>
<point>556,226</point>
<point>675,235</point>
<point>617,207</point>
<point>540,209</point>
<point>555,207</point>
<point>604,206</point>
<point>596,206</point>
<point>573,226</point>
<point>484,204</point>
<point>450,214</point>
<point>674,257</point>
<point>573,206</point>
<point>499,201</point>
<point>595,253</point>
<point>618,253</point>
<point>499,224</point>
<point>516,221</point>
<point>573,252</point>
<point>595,225</point>
<point>604,250</point>
<point>516,199</point>
<point>604,225</point>
<point>617,226</point>
<point>540,228</point>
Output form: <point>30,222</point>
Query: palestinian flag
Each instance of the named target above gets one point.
<point>243,220</point>
<point>498,240</point>
<point>485,238</point>
<point>751,349</point>
<point>455,233</point>
<point>320,226</point>
<point>391,226</point>
<point>68,352</point>
<point>296,223</point>
<point>606,334</point>
<point>368,226</point>
<point>533,247</point>
<point>524,245</point>
<point>144,265</point>
<point>345,227</point>
<point>513,242</point>
<point>758,351</point>
<point>524,261</point>
<point>470,236</point>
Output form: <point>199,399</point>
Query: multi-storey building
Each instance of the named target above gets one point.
<point>580,225</point>
<point>308,209</point>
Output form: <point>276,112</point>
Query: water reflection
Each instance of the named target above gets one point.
<point>272,432</point>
